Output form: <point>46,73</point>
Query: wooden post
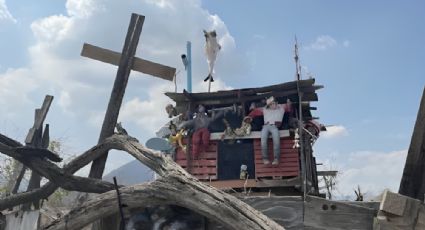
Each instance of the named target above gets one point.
<point>189,159</point>
<point>413,180</point>
<point>36,138</point>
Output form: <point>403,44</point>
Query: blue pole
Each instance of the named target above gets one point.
<point>189,67</point>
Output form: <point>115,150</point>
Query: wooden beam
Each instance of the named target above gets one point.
<point>327,173</point>
<point>252,135</point>
<point>39,119</point>
<point>413,180</point>
<point>139,64</point>
<point>254,183</point>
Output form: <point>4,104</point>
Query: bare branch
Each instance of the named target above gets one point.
<point>56,174</point>
<point>176,187</point>
<point>70,168</point>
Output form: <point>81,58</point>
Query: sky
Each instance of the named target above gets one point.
<point>368,55</point>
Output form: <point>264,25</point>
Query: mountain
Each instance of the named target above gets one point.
<point>133,172</point>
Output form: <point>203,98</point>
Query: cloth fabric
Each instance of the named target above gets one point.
<point>201,135</point>
<point>200,141</point>
<point>271,116</point>
<point>276,141</point>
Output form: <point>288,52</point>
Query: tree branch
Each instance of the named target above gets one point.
<point>176,187</point>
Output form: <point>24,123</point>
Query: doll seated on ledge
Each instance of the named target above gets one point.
<point>273,115</point>
<point>243,130</point>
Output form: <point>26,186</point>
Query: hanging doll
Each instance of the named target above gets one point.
<point>211,50</point>
<point>201,135</point>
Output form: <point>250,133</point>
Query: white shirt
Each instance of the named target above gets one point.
<point>271,116</point>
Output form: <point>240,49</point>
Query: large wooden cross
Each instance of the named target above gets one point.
<point>126,62</point>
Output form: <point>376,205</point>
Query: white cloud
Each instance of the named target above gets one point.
<point>4,12</point>
<point>51,29</point>
<point>346,43</point>
<point>322,42</point>
<point>15,86</point>
<point>373,171</point>
<point>83,8</point>
<point>334,132</point>
<point>82,86</point>
<point>64,100</point>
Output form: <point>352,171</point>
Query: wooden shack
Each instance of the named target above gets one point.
<point>220,164</point>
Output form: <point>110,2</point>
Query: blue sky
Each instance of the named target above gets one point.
<point>369,56</point>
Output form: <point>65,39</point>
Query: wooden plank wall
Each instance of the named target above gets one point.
<point>205,167</point>
<point>289,165</point>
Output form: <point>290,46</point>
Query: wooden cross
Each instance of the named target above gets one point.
<point>126,62</point>
<point>37,138</point>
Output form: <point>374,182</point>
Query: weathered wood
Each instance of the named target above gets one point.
<point>327,173</point>
<point>305,86</point>
<point>39,152</point>
<point>413,180</point>
<point>35,139</point>
<point>70,168</point>
<point>126,62</point>
<point>332,215</point>
<point>286,211</point>
<point>176,186</point>
<point>9,141</point>
<point>399,212</point>
<point>252,135</point>
<point>139,64</point>
<point>118,90</point>
<point>310,95</point>
<point>420,224</point>
<point>57,175</point>
<point>393,203</point>
<point>39,119</point>
<point>45,140</point>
